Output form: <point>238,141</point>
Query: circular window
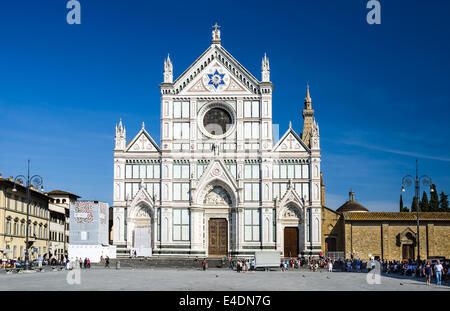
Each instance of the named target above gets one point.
<point>217,121</point>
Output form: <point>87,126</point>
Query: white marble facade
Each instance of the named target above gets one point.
<point>217,160</point>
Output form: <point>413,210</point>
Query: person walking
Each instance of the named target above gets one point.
<point>438,271</point>
<point>88,263</point>
<point>40,262</point>
<point>81,263</point>
<point>204,264</point>
<point>330,266</point>
<point>428,272</point>
<point>252,265</point>
<point>107,262</point>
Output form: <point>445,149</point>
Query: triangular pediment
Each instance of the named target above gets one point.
<point>215,79</point>
<point>142,142</point>
<point>142,196</point>
<point>291,196</point>
<point>216,72</point>
<point>290,142</point>
<point>217,170</point>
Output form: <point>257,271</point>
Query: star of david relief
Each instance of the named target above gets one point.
<point>216,79</point>
<point>217,196</point>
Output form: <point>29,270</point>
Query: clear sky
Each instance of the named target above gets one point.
<point>381,93</point>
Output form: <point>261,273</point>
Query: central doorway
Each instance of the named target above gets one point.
<point>291,242</point>
<point>218,237</point>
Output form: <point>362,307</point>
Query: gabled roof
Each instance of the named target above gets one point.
<point>399,216</point>
<point>284,145</point>
<point>144,144</point>
<point>216,53</point>
<point>62,192</point>
<point>291,196</point>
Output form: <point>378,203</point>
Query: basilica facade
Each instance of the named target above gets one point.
<point>218,184</point>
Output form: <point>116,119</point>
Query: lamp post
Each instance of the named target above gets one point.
<point>407,181</point>
<point>37,181</point>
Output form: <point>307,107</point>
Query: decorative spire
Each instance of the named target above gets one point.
<point>143,125</point>
<point>265,69</point>
<point>308,97</point>
<point>120,137</point>
<point>168,70</point>
<point>290,124</point>
<point>308,119</point>
<point>216,34</point>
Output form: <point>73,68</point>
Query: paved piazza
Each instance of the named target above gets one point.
<point>214,279</point>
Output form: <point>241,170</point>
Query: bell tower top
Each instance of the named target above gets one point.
<point>216,34</point>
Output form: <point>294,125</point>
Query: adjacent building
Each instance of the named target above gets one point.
<point>353,230</point>
<point>89,230</point>
<point>13,221</point>
<point>59,225</point>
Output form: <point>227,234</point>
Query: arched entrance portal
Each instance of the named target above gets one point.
<point>141,222</point>
<point>219,202</point>
<point>292,226</point>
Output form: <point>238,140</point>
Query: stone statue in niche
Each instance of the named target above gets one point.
<point>217,196</point>
<point>292,212</point>
<point>143,213</point>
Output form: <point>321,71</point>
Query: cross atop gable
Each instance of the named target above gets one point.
<point>142,142</point>
<point>290,142</point>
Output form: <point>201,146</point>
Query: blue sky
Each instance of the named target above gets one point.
<point>380,92</point>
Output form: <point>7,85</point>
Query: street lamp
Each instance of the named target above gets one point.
<point>408,181</point>
<point>36,181</point>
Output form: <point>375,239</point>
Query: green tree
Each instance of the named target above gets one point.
<point>414,205</point>
<point>434,199</point>
<point>443,202</point>
<point>424,205</point>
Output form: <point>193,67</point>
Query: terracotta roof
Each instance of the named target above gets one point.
<point>61,192</point>
<point>22,187</point>
<point>396,216</point>
<point>351,206</point>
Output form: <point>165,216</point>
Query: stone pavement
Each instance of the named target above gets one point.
<point>214,279</point>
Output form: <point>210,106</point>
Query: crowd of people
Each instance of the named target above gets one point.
<point>419,269</point>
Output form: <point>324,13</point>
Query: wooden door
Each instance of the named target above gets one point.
<point>407,252</point>
<point>218,237</point>
<point>291,242</point>
<point>330,245</point>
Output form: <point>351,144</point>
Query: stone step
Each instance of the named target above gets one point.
<point>164,263</point>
